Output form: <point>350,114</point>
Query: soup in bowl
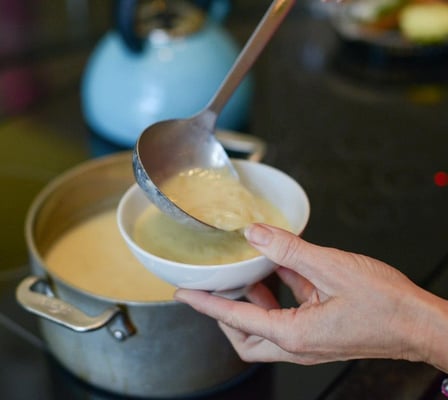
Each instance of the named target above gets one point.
<point>212,261</point>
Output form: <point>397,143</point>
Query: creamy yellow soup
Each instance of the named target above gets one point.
<point>217,198</point>
<point>93,256</point>
<point>213,197</point>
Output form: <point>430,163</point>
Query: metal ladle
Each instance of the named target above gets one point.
<point>168,147</point>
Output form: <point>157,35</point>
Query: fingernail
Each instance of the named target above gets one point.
<point>258,234</point>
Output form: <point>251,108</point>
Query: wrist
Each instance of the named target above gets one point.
<point>430,338</point>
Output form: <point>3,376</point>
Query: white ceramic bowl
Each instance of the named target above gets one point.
<point>268,182</point>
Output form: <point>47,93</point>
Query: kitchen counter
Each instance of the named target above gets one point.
<point>364,135</point>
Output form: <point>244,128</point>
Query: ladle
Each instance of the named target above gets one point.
<point>168,147</point>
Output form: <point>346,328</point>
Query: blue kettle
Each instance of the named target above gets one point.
<point>165,59</point>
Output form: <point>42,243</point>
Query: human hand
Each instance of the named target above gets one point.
<point>352,306</point>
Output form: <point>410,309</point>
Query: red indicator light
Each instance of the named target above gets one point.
<point>441,178</point>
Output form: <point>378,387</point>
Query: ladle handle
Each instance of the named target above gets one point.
<point>256,43</point>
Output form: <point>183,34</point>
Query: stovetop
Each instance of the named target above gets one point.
<point>365,145</point>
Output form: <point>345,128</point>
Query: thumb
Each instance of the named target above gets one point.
<point>290,251</point>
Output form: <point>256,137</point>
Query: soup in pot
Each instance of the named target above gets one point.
<point>94,257</point>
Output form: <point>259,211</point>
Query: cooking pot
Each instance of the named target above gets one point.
<point>149,349</point>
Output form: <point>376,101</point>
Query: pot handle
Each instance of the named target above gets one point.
<point>240,145</point>
<point>35,295</point>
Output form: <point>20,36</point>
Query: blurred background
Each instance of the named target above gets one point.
<point>44,46</point>
<point>351,100</point>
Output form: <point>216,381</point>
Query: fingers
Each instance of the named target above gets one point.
<point>254,348</point>
<point>260,295</point>
<point>247,317</point>
<point>259,334</point>
<point>244,324</point>
<point>234,313</point>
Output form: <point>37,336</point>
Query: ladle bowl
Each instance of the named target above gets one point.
<point>169,147</point>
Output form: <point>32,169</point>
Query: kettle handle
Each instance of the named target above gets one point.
<point>125,13</point>
<point>217,9</point>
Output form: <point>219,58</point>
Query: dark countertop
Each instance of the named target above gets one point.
<point>362,134</point>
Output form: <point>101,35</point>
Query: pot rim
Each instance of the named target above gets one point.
<point>40,200</point>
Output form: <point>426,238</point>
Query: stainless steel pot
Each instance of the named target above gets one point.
<point>149,349</point>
